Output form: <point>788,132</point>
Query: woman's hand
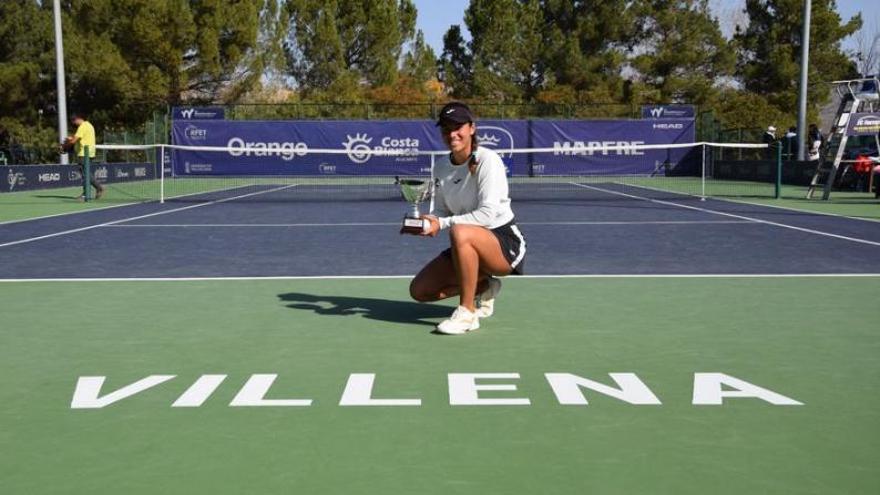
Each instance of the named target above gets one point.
<point>433,226</point>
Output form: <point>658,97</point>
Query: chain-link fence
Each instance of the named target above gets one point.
<point>377,111</point>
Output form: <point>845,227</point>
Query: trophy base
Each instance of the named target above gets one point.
<point>414,226</point>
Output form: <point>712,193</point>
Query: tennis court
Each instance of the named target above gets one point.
<point>245,335</point>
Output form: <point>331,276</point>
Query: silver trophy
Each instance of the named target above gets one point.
<point>414,191</point>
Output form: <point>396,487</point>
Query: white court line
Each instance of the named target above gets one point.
<point>133,203</point>
<point>744,202</point>
<point>105,224</point>
<point>371,224</point>
<point>20,220</point>
<point>791,208</point>
<point>395,277</point>
<point>742,217</point>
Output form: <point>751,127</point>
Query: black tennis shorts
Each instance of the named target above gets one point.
<point>513,246</point>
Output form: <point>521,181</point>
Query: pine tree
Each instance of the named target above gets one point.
<point>587,44</point>
<point>770,50</point>
<point>420,63</point>
<point>682,55</point>
<point>365,37</point>
<point>455,66</point>
<point>27,83</point>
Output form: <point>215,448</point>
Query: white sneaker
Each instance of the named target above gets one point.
<point>461,321</point>
<point>486,299</point>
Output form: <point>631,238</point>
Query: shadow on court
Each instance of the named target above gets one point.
<point>374,309</point>
<point>54,196</point>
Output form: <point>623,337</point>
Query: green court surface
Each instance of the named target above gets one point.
<point>45,202</point>
<point>814,340</point>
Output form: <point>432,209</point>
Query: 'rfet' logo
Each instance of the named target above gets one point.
<point>194,133</point>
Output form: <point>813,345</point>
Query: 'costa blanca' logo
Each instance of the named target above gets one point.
<point>399,149</point>
<point>358,147</point>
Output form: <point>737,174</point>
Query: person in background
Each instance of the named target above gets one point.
<point>790,150</point>
<point>769,138</point>
<point>82,138</point>
<point>876,172</point>
<point>815,142</point>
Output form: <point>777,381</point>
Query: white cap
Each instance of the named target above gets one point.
<point>771,129</point>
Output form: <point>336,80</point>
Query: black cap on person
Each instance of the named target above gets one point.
<point>455,112</point>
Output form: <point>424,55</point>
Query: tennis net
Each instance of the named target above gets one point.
<point>564,173</point>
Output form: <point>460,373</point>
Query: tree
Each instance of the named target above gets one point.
<point>455,67</point>
<point>420,63</point>
<point>682,54</point>
<point>506,48</point>
<point>26,57</point>
<point>176,49</point>
<point>365,37</point>
<point>315,51</point>
<point>587,44</point>
<point>770,48</point>
<point>27,95</point>
<point>126,58</point>
<point>866,54</point>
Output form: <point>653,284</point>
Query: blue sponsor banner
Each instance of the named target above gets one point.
<point>668,112</point>
<point>863,124</point>
<point>198,113</point>
<point>287,147</point>
<point>283,147</point>
<point>577,146</point>
<point>30,177</point>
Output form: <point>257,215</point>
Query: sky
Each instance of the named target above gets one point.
<point>435,16</point>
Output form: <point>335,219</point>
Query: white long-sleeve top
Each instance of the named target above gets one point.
<point>480,198</point>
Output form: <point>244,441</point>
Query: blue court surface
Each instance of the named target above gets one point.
<point>270,231</point>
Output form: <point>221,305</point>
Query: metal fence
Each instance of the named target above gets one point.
<point>156,129</point>
<point>370,111</point>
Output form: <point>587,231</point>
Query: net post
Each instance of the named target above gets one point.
<point>778,186</point>
<point>703,174</point>
<point>161,174</point>
<point>87,175</point>
<point>431,178</point>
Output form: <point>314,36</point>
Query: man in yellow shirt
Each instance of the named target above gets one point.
<point>84,136</point>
